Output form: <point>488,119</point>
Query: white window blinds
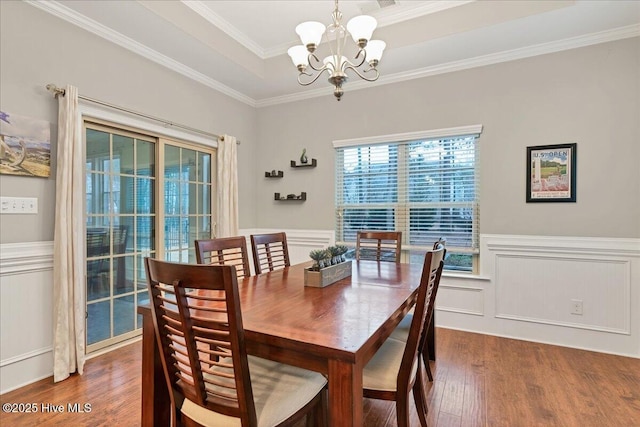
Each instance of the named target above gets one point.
<point>425,187</point>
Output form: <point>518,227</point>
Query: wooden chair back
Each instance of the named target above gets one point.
<point>197,320</point>
<point>441,243</point>
<point>379,245</point>
<point>409,374</point>
<point>423,312</point>
<point>225,251</point>
<point>270,252</point>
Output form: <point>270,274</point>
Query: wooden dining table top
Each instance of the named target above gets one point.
<point>334,330</point>
<point>339,318</point>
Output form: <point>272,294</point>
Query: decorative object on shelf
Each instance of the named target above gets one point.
<point>303,156</point>
<point>360,28</point>
<point>328,267</point>
<point>274,174</point>
<point>551,173</point>
<point>313,164</point>
<point>290,197</point>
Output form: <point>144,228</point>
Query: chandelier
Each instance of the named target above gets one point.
<point>336,64</point>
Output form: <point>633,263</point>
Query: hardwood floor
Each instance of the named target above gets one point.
<point>480,380</point>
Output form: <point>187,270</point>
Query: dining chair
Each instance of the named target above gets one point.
<point>212,381</point>
<point>225,251</point>
<point>270,251</point>
<point>379,245</point>
<point>395,371</point>
<point>402,330</point>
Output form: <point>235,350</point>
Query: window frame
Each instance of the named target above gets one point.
<point>401,206</point>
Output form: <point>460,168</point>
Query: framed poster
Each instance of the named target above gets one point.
<point>551,173</point>
<point>25,146</point>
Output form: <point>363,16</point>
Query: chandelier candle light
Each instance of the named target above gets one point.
<point>359,28</point>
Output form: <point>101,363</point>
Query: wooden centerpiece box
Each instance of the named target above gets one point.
<point>327,275</point>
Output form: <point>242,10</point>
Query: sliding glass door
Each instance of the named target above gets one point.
<point>125,173</point>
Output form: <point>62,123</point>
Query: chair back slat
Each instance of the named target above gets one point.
<point>197,319</point>
<point>225,251</point>
<point>379,245</point>
<point>270,252</point>
<point>423,312</point>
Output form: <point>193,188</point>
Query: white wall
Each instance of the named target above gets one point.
<point>37,48</point>
<point>590,96</point>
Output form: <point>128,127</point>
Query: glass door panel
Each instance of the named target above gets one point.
<point>120,195</point>
<point>187,201</point>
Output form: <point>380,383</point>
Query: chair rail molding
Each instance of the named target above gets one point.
<point>19,258</point>
<point>564,245</point>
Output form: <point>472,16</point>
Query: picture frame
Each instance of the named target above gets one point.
<point>25,146</point>
<point>551,173</point>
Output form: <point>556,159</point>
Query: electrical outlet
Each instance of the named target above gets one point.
<point>576,306</point>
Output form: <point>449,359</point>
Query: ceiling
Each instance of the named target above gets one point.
<point>239,47</point>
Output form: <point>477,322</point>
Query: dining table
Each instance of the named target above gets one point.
<point>334,330</point>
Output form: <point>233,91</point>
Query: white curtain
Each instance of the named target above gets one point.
<point>227,187</point>
<point>69,242</point>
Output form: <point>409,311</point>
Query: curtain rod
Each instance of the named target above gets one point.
<point>55,90</point>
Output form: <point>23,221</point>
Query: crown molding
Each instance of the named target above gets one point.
<point>479,61</point>
<point>201,9</point>
<point>56,9</point>
<point>389,16</point>
<point>63,12</point>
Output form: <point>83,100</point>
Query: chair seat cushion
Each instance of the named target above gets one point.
<point>401,332</point>
<point>381,373</point>
<point>279,391</point>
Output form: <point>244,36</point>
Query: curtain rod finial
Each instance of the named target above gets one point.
<point>55,90</point>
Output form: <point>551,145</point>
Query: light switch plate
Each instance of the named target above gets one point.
<point>18,205</point>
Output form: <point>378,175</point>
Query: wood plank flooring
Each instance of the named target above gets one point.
<point>480,380</point>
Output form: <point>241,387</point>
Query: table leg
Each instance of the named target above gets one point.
<point>345,394</point>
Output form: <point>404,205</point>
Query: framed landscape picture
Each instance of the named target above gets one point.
<point>551,173</point>
<point>25,146</point>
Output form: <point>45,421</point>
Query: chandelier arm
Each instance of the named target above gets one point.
<point>362,76</point>
<point>313,55</point>
<point>321,70</point>
<point>364,58</point>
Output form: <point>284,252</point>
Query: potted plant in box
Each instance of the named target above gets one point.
<point>328,267</point>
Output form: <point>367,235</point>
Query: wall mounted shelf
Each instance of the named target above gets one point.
<point>313,164</point>
<point>296,198</point>
<point>274,174</point>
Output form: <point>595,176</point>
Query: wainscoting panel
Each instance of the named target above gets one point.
<point>545,288</point>
<point>26,313</point>
<point>460,299</point>
<point>536,281</point>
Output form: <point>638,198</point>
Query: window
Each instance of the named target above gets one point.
<point>423,184</point>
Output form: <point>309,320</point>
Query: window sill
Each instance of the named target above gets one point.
<point>466,276</point>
